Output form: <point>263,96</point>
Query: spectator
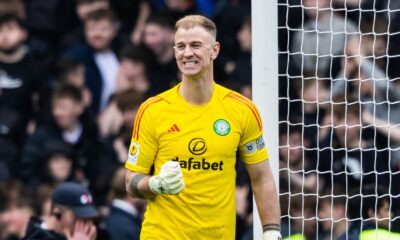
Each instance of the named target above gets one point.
<point>124,221</point>
<point>72,72</point>
<point>159,38</point>
<point>361,78</point>
<point>377,214</point>
<point>22,81</point>
<point>60,163</point>
<point>72,126</point>
<point>76,35</point>
<point>134,70</point>
<point>133,16</point>
<point>351,159</point>
<point>303,218</point>
<point>317,47</point>
<point>116,120</point>
<point>295,166</point>
<point>17,213</point>
<point>98,56</point>
<point>333,214</point>
<point>239,69</point>
<point>47,22</point>
<point>229,17</point>
<point>72,216</point>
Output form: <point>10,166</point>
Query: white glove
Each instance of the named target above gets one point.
<point>272,235</point>
<point>169,181</point>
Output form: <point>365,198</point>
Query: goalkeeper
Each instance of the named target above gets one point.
<point>184,148</point>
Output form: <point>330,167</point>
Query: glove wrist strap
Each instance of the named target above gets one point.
<point>271,227</point>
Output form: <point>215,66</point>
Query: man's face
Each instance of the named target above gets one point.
<point>157,38</point>
<point>195,50</point>
<point>15,219</point>
<point>99,33</point>
<point>384,215</point>
<point>11,35</point>
<point>66,112</point>
<point>330,215</point>
<point>66,219</point>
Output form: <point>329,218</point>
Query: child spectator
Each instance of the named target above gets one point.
<point>72,72</point>
<point>72,126</point>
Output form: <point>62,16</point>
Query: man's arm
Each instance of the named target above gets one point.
<point>263,185</point>
<point>137,185</point>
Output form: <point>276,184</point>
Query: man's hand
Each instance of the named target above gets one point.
<point>169,181</point>
<point>83,230</point>
<point>272,235</point>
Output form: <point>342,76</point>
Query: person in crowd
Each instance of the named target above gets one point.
<point>377,214</point>
<point>17,212</point>
<point>72,216</point>
<point>22,91</point>
<point>320,45</point>
<point>159,39</point>
<point>72,72</point>
<point>239,70</point>
<point>82,9</point>
<point>335,220</point>
<point>352,158</point>
<point>296,168</point>
<point>128,103</point>
<point>133,76</point>
<point>302,214</point>
<point>125,218</point>
<point>72,126</point>
<point>98,56</point>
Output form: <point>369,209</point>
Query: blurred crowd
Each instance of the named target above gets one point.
<point>74,72</point>
<point>339,122</point>
<point>72,76</point>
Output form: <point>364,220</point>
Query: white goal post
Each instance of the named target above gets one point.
<point>341,177</point>
<point>265,83</point>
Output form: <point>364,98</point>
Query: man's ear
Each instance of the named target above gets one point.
<point>215,50</point>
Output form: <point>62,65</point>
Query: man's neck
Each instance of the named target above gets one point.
<point>197,91</point>
<point>13,56</point>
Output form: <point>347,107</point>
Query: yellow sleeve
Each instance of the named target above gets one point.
<point>252,147</point>
<point>144,145</point>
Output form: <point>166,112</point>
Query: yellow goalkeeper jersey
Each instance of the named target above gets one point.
<point>205,140</point>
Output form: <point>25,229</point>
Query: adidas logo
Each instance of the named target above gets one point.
<point>174,128</point>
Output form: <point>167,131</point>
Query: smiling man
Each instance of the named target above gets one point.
<point>203,125</point>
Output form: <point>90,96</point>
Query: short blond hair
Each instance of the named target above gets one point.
<point>191,21</point>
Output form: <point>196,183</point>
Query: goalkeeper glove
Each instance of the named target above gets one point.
<point>169,181</point>
<point>272,235</point>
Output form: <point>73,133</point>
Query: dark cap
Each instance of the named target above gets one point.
<point>76,198</point>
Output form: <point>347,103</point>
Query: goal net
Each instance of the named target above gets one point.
<point>339,101</point>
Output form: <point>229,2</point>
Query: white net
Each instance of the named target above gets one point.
<point>339,118</point>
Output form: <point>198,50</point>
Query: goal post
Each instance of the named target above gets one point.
<point>336,161</point>
<point>265,84</point>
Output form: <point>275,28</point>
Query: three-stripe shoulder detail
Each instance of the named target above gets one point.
<point>249,104</point>
<point>140,113</point>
